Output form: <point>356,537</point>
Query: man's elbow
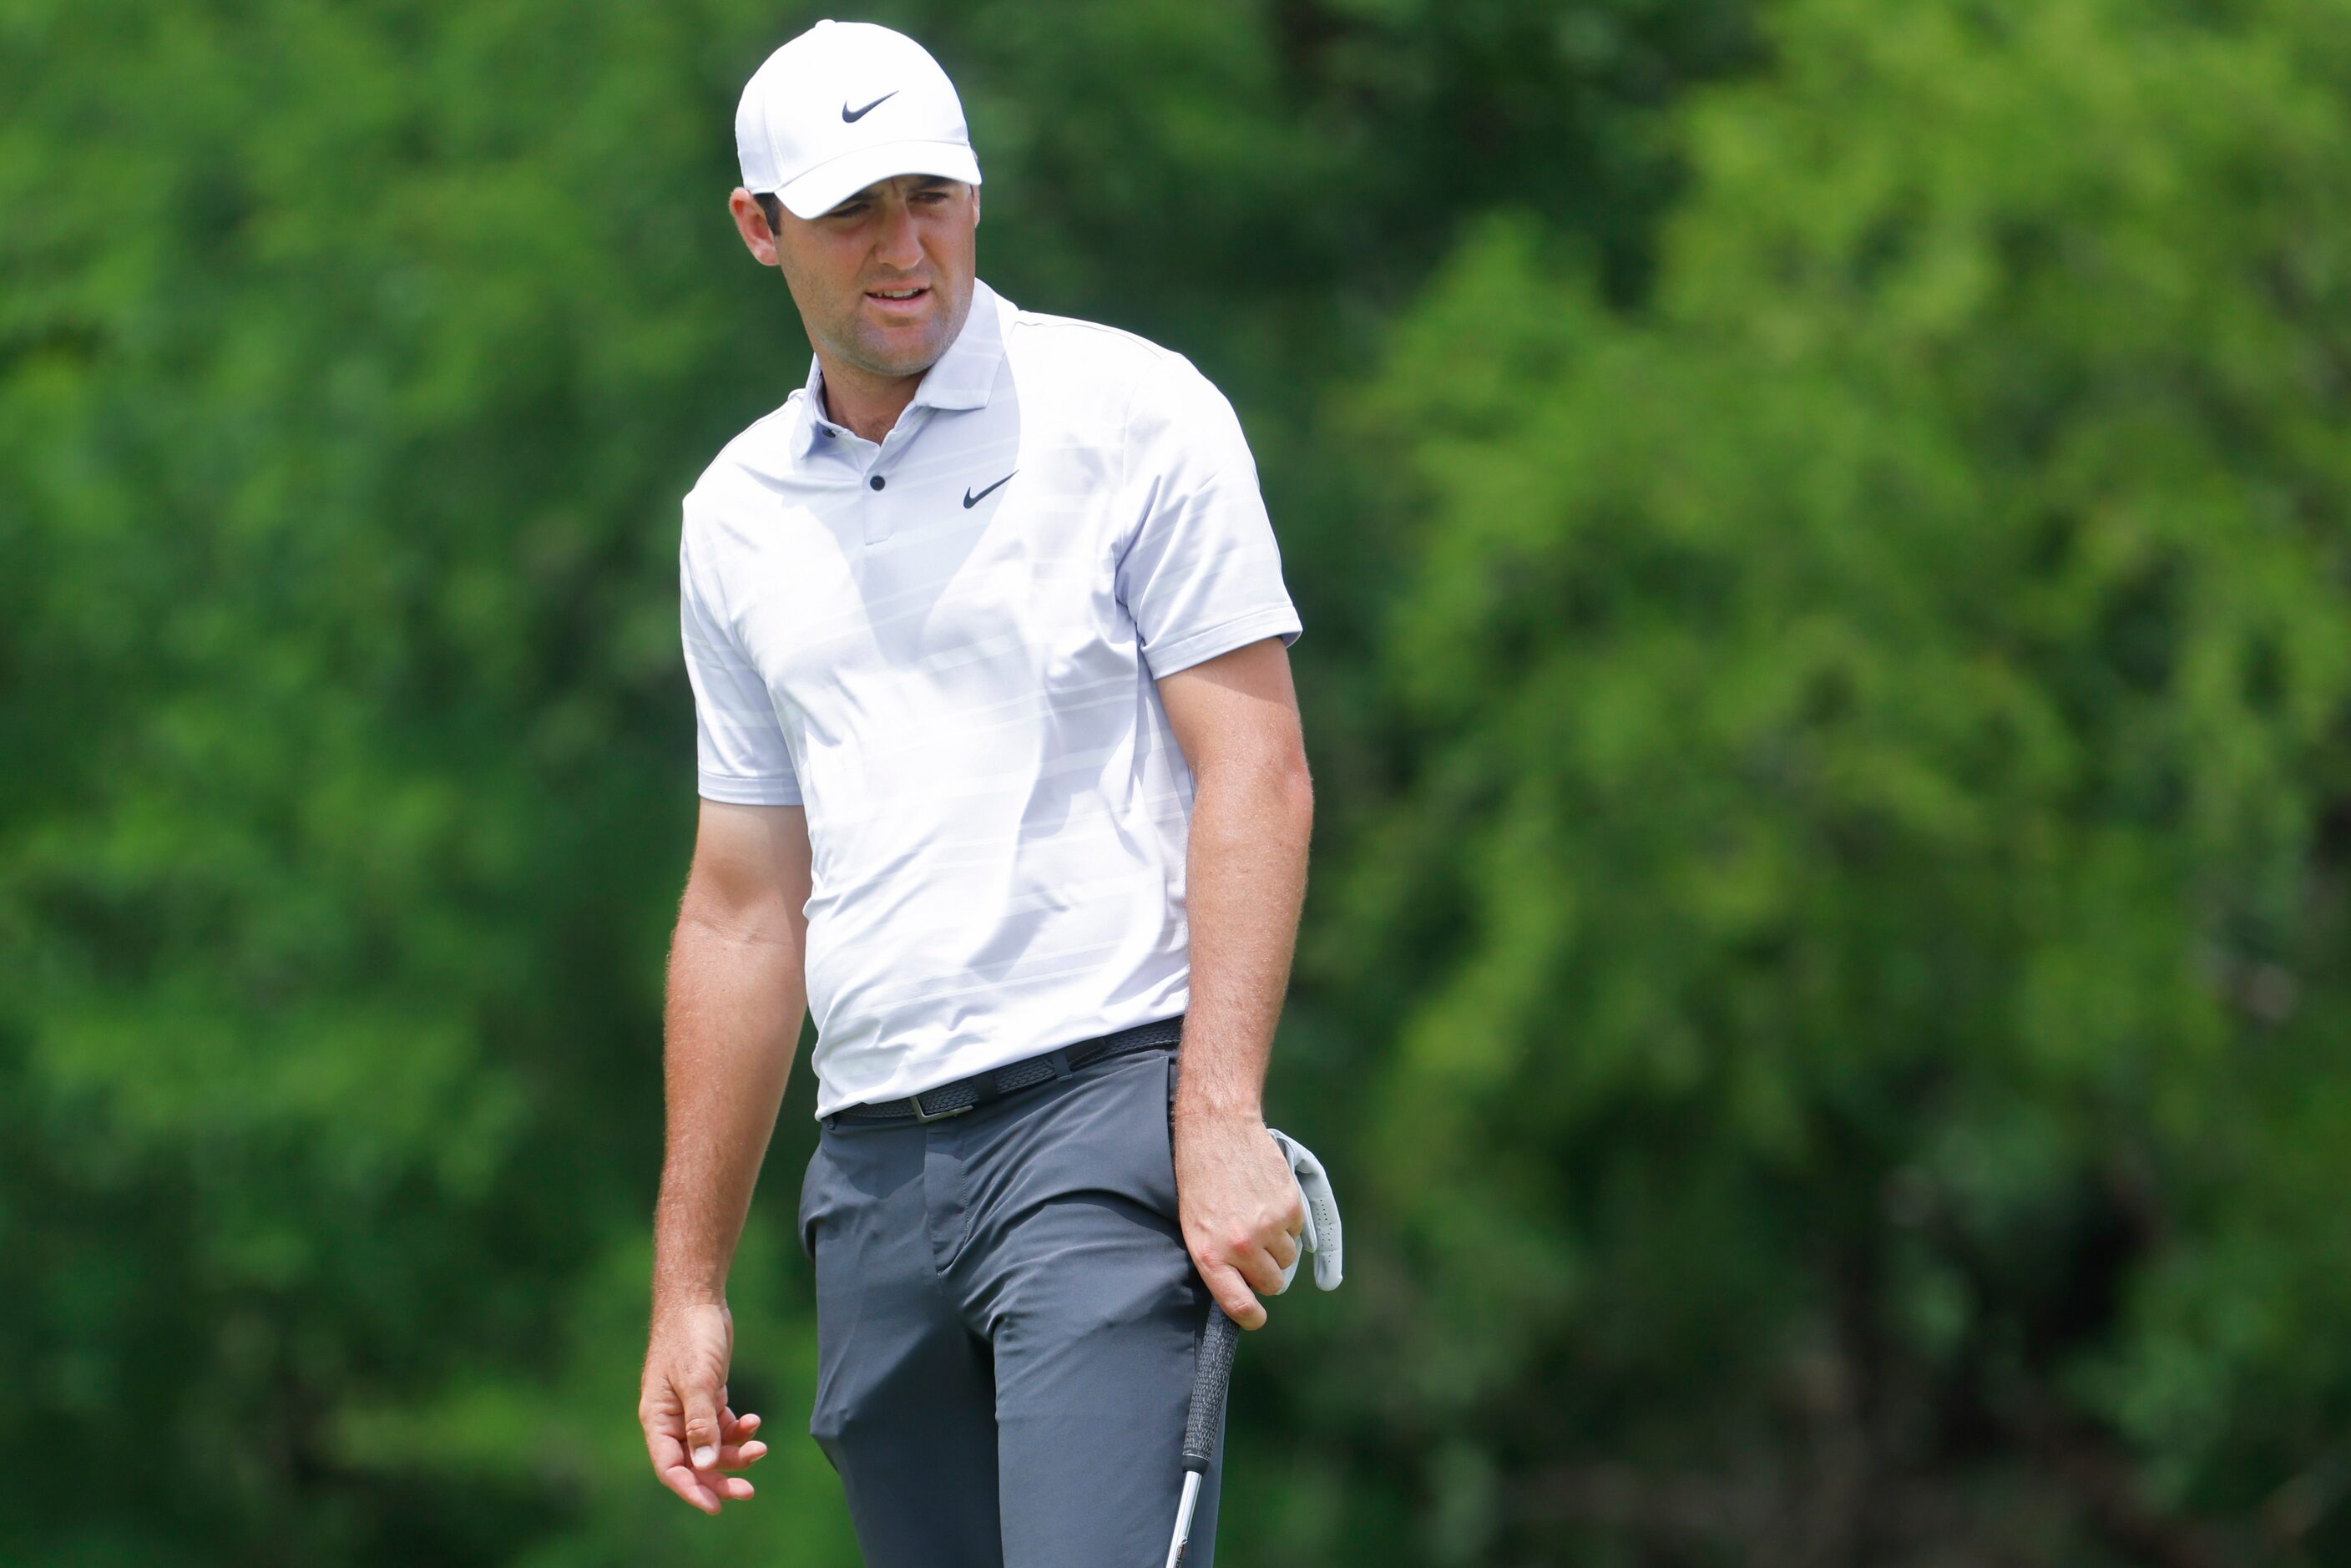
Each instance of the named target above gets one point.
<point>1297,784</point>
<point>1274,787</point>
<point>740,909</point>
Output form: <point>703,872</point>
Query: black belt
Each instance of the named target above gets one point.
<point>967,1093</point>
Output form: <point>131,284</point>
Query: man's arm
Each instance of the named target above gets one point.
<point>1236,719</point>
<point>738,992</point>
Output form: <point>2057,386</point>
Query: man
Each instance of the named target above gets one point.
<point>1001,773</point>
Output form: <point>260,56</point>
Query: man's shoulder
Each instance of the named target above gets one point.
<point>756,451</point>
<point>1080,338</point>
<point>1095,360</point>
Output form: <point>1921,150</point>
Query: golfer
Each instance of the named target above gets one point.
<point>1001,775</point>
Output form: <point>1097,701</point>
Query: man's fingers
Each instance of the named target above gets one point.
<point>1232,1293</point>
<point>1284,1250</point>
<point>666,1449</point>
<point>664,1445</point>
<point>669,1464</point>
<point>702,1430</point>
<point>1258,1269</point>
<point>688,1485</point>
<point>702,1488</point>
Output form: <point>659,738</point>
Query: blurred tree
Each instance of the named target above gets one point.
<point>1863,915</point>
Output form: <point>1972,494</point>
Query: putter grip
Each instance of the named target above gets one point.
<point>1212,1378</point>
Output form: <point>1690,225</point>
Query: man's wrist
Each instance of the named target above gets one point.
<point>685,1310</point>
<point>688,1288</point>
<point>1206,1108</point>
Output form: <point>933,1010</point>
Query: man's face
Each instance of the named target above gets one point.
<point>883,280</point>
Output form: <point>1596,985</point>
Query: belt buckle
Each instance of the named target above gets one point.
<point>925,1116</point>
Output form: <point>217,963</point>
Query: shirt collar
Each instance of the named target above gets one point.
<point>962,378</point>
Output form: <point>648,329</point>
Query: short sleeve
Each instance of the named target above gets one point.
<point>1201,574</point>
<point>739,746</point>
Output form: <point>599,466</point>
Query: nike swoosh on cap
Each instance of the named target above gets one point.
<point>971,501</point>
<point>851,115</point>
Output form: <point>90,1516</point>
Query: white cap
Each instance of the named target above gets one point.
<point>841,106</point>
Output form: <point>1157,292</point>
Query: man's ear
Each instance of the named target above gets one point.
<point>751,223</point>
<point>975,206</point>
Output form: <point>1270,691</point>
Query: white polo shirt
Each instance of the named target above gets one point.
<point>946,647</point>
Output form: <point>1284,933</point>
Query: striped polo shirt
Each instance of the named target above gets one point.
<point>945,647</point>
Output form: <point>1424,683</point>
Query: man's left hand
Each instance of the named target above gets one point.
<point>1241,1209</point>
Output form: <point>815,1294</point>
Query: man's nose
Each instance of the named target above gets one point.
<point>898,244</point>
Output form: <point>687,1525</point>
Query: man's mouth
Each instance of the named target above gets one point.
<point>896,294</point>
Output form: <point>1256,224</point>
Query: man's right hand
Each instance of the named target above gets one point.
<point>691,1435</point>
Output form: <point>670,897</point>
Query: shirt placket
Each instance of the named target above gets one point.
<point>871,465</point>
<point>881,509</point>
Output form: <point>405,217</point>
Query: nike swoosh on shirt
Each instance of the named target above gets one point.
<point>851,115</point>
<point>971,501</point>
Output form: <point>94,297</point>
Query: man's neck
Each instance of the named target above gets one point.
<point>869,404</point>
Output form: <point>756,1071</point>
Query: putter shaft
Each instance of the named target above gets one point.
<point>1184,1518</point>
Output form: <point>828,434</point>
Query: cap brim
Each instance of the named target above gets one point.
<point>829,184</point>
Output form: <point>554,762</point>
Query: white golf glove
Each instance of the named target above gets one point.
<point>1320,1237</point>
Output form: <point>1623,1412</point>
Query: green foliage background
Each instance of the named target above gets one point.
<point>1824,531</point>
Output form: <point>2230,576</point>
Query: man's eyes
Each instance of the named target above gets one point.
<point>858,209</point>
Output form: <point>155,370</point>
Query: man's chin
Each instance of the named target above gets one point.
<point>903,351</point>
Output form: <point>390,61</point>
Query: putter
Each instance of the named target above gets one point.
<point>1212,1377</point>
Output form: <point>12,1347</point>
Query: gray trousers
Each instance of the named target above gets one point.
<point>1007,1320</point>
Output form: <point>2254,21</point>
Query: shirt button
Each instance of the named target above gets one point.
<point>875,481</point>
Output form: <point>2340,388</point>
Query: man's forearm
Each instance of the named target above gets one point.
<point>733,1024</point>
<point>1245,885</point>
